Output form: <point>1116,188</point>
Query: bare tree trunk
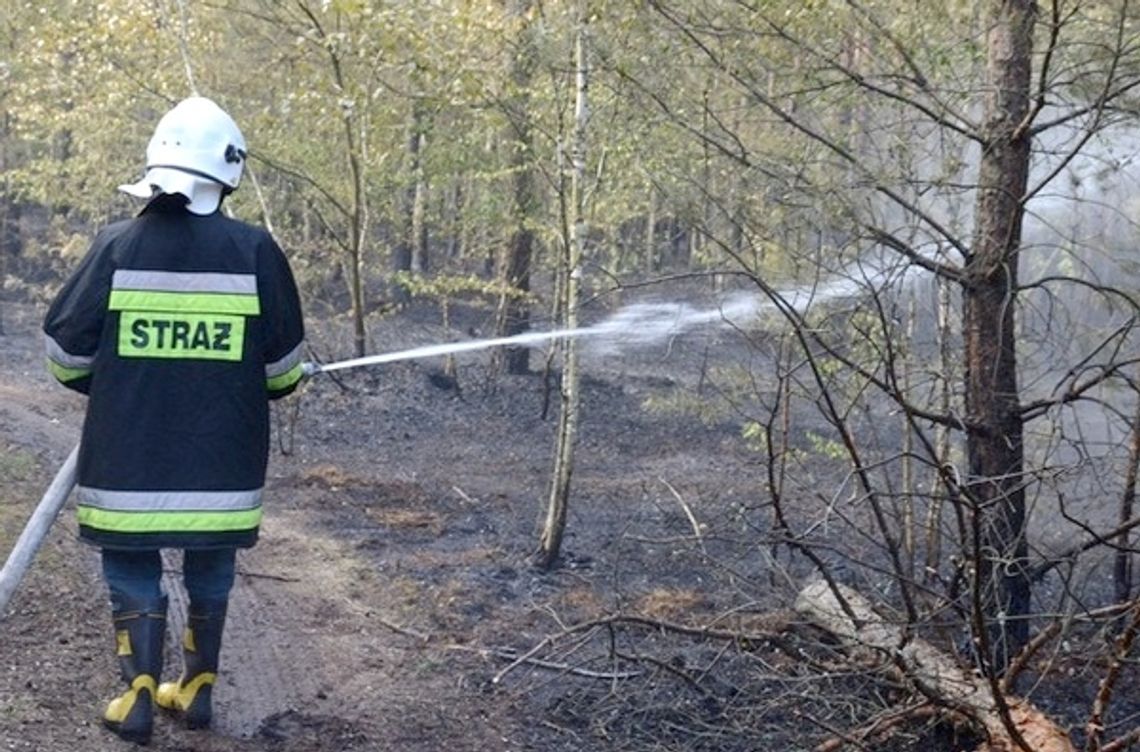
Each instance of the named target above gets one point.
<point>358,233</point>
<point>652,262</point>
<point>513,315</point>
<point>358,210</point>
<point>409,255</point>
<point>909,486</point>
<point>1122,567</point>
<point>454,220</point>
<point>418,224</point>
<point>551,541</point>
<point>994,431</point>
<point>9,211</point>
<point>942,435</point>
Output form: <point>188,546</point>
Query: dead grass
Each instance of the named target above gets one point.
<point>329,477</point>
<point>671,603</point>
<point>406,518</point>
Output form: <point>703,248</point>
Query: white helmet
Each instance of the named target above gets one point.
<point>196,150</point>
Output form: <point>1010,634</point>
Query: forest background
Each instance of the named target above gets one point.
<point>919,218</point>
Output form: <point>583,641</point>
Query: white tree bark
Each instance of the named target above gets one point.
<point>551,541</point>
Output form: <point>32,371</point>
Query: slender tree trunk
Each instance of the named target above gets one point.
<point>358,210</point>
<point>551,541</point>
<point>994,437</point>
<point>909,486</point>
<point>408,255</point>
<point>9,212</point>
<point>651,260</point>
<point>1122,566</point>
<point>514,310</point>
<point>417,225</point>
<point>942,434</point>
<point>358,224</point>
<point>454,221</point>
<point>358,233</point>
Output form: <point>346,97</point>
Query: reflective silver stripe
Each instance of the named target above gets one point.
<point>137,279</point>
<point>290,361</point>
<point>57,354</point>
<point>168,501</point>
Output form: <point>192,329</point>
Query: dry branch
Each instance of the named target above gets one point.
<point>751,637</point>
<point>564,668</point>
<point>932,672</point>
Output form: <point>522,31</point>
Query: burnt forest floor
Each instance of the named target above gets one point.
<point>392,603</point>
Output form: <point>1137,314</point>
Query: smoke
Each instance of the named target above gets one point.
<point>1089,209</point>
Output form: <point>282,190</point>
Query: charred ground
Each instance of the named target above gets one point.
<point>392,603</point>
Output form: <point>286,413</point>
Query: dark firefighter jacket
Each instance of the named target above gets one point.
<point>180,328</point>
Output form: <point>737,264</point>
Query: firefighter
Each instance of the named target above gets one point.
<point>180,324</point>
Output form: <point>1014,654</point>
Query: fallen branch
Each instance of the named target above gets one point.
<point>688,513</point>
<point>517,660</point>
<point>405,631</point>
<point>740,638</point>
<point>933,673</point>
<point>267,576</point>
<point>879,728</point>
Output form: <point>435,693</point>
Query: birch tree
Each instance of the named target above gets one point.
<point>570,271</point>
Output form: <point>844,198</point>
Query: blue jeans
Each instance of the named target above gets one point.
<point>135,576</point>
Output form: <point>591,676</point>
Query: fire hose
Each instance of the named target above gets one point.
<point>36,530</point>
<point>645,322</point>
<point>46,512</point>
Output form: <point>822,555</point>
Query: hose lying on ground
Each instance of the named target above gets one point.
<point>36,530</point>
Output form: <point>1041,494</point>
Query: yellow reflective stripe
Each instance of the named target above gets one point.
<point>65,374</point>
<point>285,380</point>
<point>168,501</point>
<point>168,522</point>
<point>284,363</point>
<point>185,302</point>
<point>181,335</point>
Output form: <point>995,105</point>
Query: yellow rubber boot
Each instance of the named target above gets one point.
<point>131,714</point>
<point>191,697</point>
<point>139,632</point>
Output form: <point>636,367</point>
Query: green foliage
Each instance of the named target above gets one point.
<point>728,119</point>
<point>83,98</point>
<point>690,404</point>
<point>755,436</point>
<point>447,287</point>
<point>825,447</point>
